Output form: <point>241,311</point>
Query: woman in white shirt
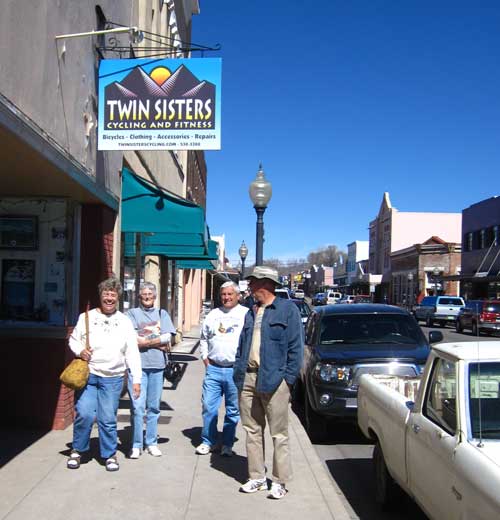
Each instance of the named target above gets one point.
<point>112,349</point>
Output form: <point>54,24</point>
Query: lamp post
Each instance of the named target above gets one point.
<point>260,194</point>
<point>409,297</point>
<point>243,252</point>
<point>436,272</point>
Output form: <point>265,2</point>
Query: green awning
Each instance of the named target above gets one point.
<point>147,208</point>
<point>168,225</point>
<point>196,264</point>
<point>176,246</point>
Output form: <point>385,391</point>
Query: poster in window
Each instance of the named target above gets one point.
<point>18,232</point>
<point>18,289</point>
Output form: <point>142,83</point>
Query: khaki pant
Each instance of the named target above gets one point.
<point>255,408</point>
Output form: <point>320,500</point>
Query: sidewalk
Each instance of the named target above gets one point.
<point>36,484</point>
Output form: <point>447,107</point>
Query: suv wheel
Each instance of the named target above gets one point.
<point>474,328</point>
<point>316,425</point>
<point>429,322</point>
<point>458,326</point>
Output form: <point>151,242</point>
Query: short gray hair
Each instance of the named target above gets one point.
<point>235,286</point>
<point>147,285</point>
<point>110,284</point>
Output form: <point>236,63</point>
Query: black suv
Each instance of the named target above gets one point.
<point>345,341</point>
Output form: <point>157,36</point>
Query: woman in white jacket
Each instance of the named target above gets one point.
<point>112,349</point>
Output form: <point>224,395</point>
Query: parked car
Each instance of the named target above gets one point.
<point>479,316</point>
<point>362,298</point>
<point>348,298</point>
<point>319,299</point>
<point>298,294</point>
<point>333,297</point>
<point>304,309</point>
<point>440,445</point>
<point>342,342</point>
<point>438,309</point>
<point>283,292</point>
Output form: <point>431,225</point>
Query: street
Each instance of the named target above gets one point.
<point>348,458</point>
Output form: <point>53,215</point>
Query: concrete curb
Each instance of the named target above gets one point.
<point>332,495</point>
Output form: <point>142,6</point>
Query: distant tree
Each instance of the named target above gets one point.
<point>328,255</point>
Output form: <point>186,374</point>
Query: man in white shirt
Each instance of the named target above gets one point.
<point>220,334</point>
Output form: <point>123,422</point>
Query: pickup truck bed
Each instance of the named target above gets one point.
<point>442,445</point>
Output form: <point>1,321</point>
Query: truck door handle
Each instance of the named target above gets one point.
<point>416,428</point>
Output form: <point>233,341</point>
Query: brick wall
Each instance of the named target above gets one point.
<point>96,260</point>
<point>38,401</point>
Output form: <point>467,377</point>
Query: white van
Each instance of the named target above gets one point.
<point>332,297</point>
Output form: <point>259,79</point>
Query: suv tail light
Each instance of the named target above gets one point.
<point>488,316</point>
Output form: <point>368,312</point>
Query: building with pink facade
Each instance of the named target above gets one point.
<point>393,230</point>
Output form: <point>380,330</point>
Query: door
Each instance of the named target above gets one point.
<point>432,442</point>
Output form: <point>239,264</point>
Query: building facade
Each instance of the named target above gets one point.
<point>480,274</point>
<point>60,198</point>
<point>393,230</point>
<point>422,270</point>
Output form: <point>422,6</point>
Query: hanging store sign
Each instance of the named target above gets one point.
<point>166,104</point>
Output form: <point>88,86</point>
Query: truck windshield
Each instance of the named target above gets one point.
<point>484,401</point>
<point>370,328</point>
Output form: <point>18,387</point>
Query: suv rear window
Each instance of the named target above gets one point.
<point>451,301</point>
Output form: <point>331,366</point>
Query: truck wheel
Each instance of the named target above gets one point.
<point>458,326</point>
<point>316,425</point>
<point>386,490</point>
<point>428,321</point>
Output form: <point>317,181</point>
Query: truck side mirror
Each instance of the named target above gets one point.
<point>435,336</point>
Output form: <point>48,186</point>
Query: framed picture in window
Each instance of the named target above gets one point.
<point>18,232</point>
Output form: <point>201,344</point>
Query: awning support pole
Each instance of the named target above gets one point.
<point>138,266</point>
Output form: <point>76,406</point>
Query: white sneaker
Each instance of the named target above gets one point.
<point>226,451</point>
<point>203,449</point>
<point>277,491</point>
<point>154,450</point>
<point>253,485</point>
<point>135,453</point>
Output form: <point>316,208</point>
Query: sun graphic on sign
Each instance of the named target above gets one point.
<point>160,75</point>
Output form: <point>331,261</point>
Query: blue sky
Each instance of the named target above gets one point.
<point>343,100</point>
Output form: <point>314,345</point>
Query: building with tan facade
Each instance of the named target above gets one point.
<point>393,230</point>
<point>61,204</point>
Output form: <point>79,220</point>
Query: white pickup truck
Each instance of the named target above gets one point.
<point>442,445</point>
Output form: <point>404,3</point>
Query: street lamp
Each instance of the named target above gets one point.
<point>260,194</point>
<point>436,272</point>
<point>243,252</point>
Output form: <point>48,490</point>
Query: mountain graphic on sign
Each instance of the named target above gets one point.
<point>181,84</point>
<point>141,84</point>
<point>203,91</point>
<point>117,91</point>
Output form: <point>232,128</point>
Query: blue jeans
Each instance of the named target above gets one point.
<point>99,399</point>
<point>219,382</point>
<point>149,403</point>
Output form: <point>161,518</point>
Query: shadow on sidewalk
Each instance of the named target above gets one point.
<point>234,467</point>
<point>14,441</point>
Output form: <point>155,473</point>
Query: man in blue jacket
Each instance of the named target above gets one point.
<point>267,364</point>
